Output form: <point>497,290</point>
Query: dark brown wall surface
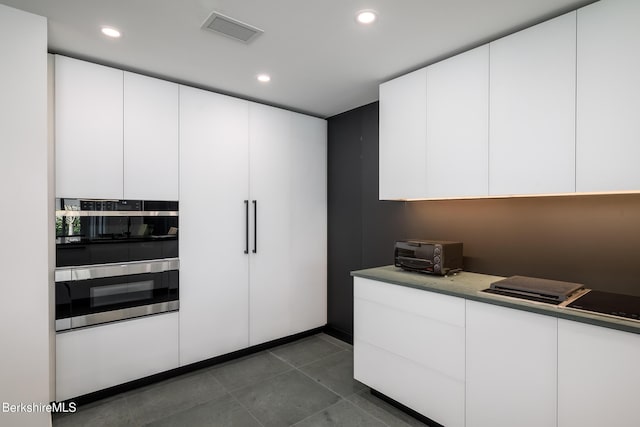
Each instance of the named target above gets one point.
<point>594,240</point>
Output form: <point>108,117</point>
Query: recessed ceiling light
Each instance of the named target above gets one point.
<point>110,32</point>
<point>366,16</point>
<point>264,78</point>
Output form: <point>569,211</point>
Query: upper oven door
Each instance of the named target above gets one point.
<point>92,232</point>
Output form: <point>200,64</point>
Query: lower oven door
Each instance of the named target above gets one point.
<point>91,299</point>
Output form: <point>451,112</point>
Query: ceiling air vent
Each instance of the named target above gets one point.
<point>231,28</point>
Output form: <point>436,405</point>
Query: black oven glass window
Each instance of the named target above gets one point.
<point>121,293</point>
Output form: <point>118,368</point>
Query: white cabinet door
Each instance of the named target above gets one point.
<point>150,138</point>
<point>458,126</point>
<point>511,367</point>
<point>288,158</point>
<point>214,185</point>
<point>89,148</point>
<point>598,376</point>
<point>99,357</point>
<point>532,110</point>
<point>403,115</point>
<point>308,223</point>
<point>409,344</point>
<point>608,129</point>
<point>271,279</point>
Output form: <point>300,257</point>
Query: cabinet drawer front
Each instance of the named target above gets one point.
<point>93,359</point>
<point>438,307</point>
<point>432,344</point>
<point>426,391</point>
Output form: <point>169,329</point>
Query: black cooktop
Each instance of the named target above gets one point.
<point>627,306</point>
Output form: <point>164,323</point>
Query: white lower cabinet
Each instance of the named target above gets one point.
<point>511,367</point>
<point>409,345</point>
<point>462,362</point>
<point>96,358</point>
<point>598,376</point>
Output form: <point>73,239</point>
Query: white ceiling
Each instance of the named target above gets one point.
<point>321,61</point>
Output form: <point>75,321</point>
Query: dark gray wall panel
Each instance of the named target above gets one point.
<point>344,217</point>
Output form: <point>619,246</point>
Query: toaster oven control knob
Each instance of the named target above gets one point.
<point>436,259</point>
<point>436,268</point>
<point>437,250</point>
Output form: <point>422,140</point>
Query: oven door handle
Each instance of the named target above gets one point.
<point>116,269</point>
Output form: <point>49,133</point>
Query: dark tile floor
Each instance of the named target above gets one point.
<point>305,383</point>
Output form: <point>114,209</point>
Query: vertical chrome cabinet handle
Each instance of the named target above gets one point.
<point>255,226</point>
<point>246,226</point>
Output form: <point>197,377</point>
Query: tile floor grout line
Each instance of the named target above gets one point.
<point>345,398</point>
<point>281,359</point>
<point>315,360</point>
<point>340,349</point>
<point>342,344</point>
<point>247,409</point>
<point>322,358</point>
<point>333,340</point>
<point>318,412</point>
<point>269,378</point>
<point>324,385</point>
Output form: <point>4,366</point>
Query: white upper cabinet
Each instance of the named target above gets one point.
<point>457,141</point>
<point>608,128</point>
<point>89,127</point>
<point>532,110</point>
<point>403,111</point>
<point>116,133</point>
<point>150,138</point>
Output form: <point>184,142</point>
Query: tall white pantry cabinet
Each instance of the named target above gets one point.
<point>252,224</point>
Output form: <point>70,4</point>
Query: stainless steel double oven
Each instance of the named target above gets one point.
<point>115,260</point>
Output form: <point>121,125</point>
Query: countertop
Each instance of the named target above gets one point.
<point>468,285</point>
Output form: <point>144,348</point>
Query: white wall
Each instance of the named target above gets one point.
<point>24,217</point>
